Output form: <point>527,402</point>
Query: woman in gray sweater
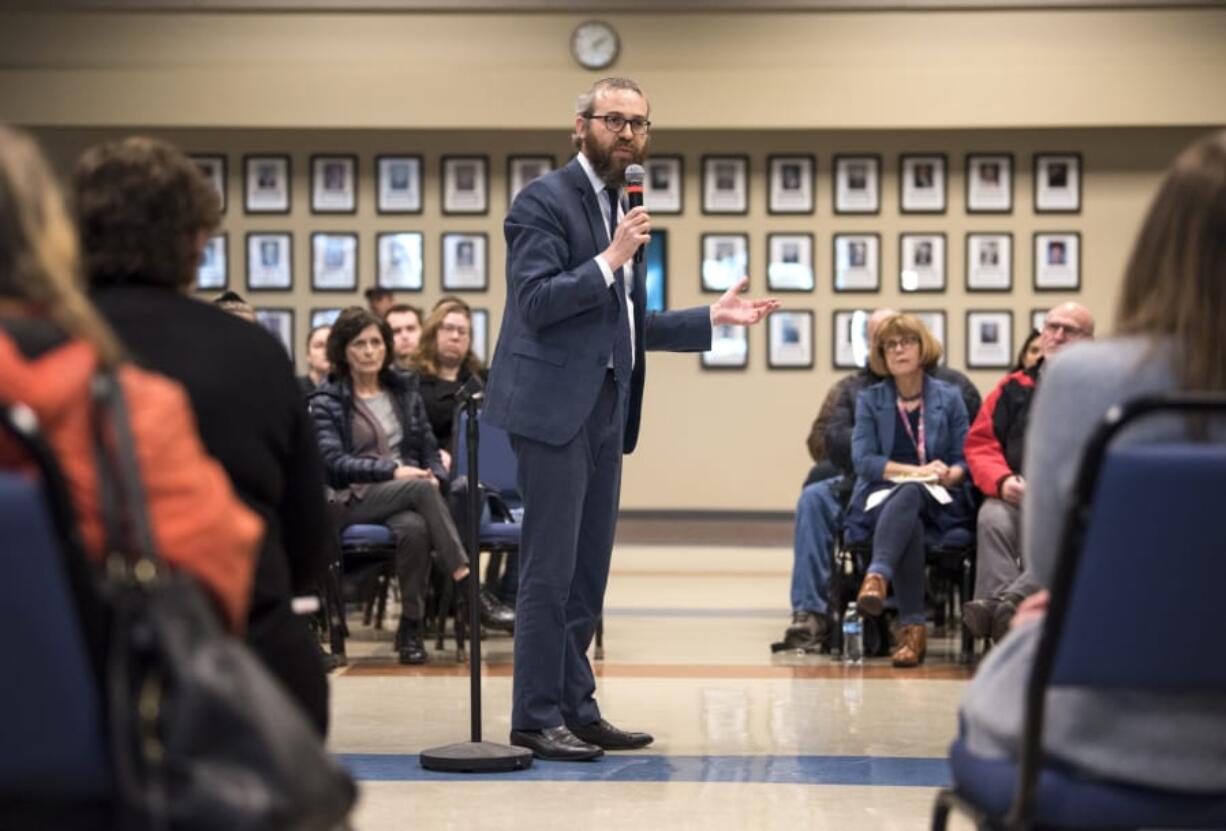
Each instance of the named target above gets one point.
<point>1171,323</point>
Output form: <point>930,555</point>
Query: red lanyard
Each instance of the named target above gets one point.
<point>906,423</point>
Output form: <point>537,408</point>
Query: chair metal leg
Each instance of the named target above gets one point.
<point>334,610</point>
<point>599,652</point>
<point>385,585</point>
<point>940,810</point>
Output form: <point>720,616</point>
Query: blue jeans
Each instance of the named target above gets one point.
<point>817,519</point>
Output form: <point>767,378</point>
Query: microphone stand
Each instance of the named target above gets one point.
<point>475,755</point>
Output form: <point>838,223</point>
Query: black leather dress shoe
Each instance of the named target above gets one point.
<point>555,744</point>
<point>603,734</point>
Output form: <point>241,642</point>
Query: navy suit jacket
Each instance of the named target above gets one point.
<point>560,318</point>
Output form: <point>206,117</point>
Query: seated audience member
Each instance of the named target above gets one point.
<point>317,359</point>
<point>1030,353</point>
<point>443,362</point>
<point>382,460</point>
<point>908,425</point>
<point>52,343</point>
<point>405,322</point>
<point>233,302</point>
<point>144,212</point>
<point>379,300</point>
<point>994,451</point>
<point>820,508</point>
<point>1171,326</point>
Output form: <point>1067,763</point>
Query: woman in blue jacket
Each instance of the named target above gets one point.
<point>910,471</point>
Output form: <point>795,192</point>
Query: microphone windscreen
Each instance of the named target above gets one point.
<point>635,174</point>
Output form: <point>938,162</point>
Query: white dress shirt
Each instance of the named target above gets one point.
<point>628,269</point>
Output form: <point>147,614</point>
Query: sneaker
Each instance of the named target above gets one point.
<point>1002,616</point>
<point>977,616</point>
<point>808,629</point>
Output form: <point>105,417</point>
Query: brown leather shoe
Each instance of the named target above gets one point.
<point>912,646</point>
<point>871,599</point>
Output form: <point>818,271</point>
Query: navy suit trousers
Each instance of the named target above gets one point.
<point>571,495</point>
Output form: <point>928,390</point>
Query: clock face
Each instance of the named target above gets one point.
<point>594,44</point>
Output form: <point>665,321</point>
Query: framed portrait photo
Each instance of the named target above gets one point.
<point>656,261</point>
<point>280,324</point>
<point>725,184</point>
<point>270,265</point>
<point>465,185</point>
<point>399,260</point>
<point>523,169</point>
<point>213,168</point>
<point>989,261</point>
<point>266,184</point>
<point>789,262</point>
<point>1057,261</point>
<point>481,334</point>
<point>921,184</point>
<point>921,259</point>
<point>790,339</point>
<point>989,340</point>
<point>850,332</point>
<point>725,260</point>
<point>857,184</point>
<point>334,262</point>
<point>324,316</point>
<point>934,320</point>
<point>334,184</point>
<point>664,189</point>
<point>857,262</point>
<point>398,181</point>
<point>213,272</point>
<point>729,348</point>
<point>792,184</point>
<point>989,183</point>
<point>1057,183</point>
<point>465,262</point>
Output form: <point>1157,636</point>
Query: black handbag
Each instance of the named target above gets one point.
<point>203,736</point>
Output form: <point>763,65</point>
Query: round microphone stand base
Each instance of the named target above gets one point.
<point>476,757</point>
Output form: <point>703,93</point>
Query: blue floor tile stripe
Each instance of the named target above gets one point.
<point>881,771</point>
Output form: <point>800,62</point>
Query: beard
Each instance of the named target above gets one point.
<point>611,169</point>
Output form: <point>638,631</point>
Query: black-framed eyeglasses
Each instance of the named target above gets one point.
<point>616,122</point>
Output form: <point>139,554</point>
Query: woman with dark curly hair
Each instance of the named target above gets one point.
<point>384,463</point>
<point>144,212</point>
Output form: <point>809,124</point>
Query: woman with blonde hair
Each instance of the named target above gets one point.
<point>53,343</point>
<point>910,474</point>
<point>1171,336</point>
<point>443,362</point>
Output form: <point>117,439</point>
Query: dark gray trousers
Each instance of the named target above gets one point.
<point>417,515</point>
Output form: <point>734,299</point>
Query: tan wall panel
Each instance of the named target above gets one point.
<point>788,70</point>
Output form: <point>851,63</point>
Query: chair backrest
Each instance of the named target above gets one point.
<point>1143,612</point>
<point>496,465</point>
<point>51,731</point>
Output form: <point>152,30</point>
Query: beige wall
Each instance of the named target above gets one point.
<point>1125,89</point>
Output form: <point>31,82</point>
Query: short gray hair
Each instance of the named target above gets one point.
<point>583,105</point>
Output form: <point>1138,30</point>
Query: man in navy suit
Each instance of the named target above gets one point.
<point>567,384</point>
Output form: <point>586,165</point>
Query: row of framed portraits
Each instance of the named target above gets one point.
<point>268,182</point>
<point>922,258</point>
<point>792,183</point>
<point>280,322</point>
<point>790,339</point>
<point>922,183</point>
<point>399,261</point>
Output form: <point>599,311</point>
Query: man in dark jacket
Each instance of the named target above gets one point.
<point>821,501</point>
<point>995,446</point>
<point>144,213</point>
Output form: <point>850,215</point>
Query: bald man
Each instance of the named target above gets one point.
<point>994,451</point>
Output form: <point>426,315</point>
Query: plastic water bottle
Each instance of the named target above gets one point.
<point>853,635</point>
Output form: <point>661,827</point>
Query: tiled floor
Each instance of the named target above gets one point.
<point>744,739</point>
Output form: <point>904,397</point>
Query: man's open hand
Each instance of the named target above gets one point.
<point>733,309</point>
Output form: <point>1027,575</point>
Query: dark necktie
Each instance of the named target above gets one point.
<point>622,359</point>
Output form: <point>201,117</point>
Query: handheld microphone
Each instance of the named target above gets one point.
<point>634,198</point>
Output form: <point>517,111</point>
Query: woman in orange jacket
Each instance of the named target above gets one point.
<point>52,343</point>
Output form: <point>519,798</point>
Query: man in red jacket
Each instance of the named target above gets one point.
<point>995,446</point>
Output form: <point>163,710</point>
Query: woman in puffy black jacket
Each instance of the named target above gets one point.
<point>383,462</point>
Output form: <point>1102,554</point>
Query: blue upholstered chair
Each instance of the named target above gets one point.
<point>53,756</point>
<point>1122,616</point>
